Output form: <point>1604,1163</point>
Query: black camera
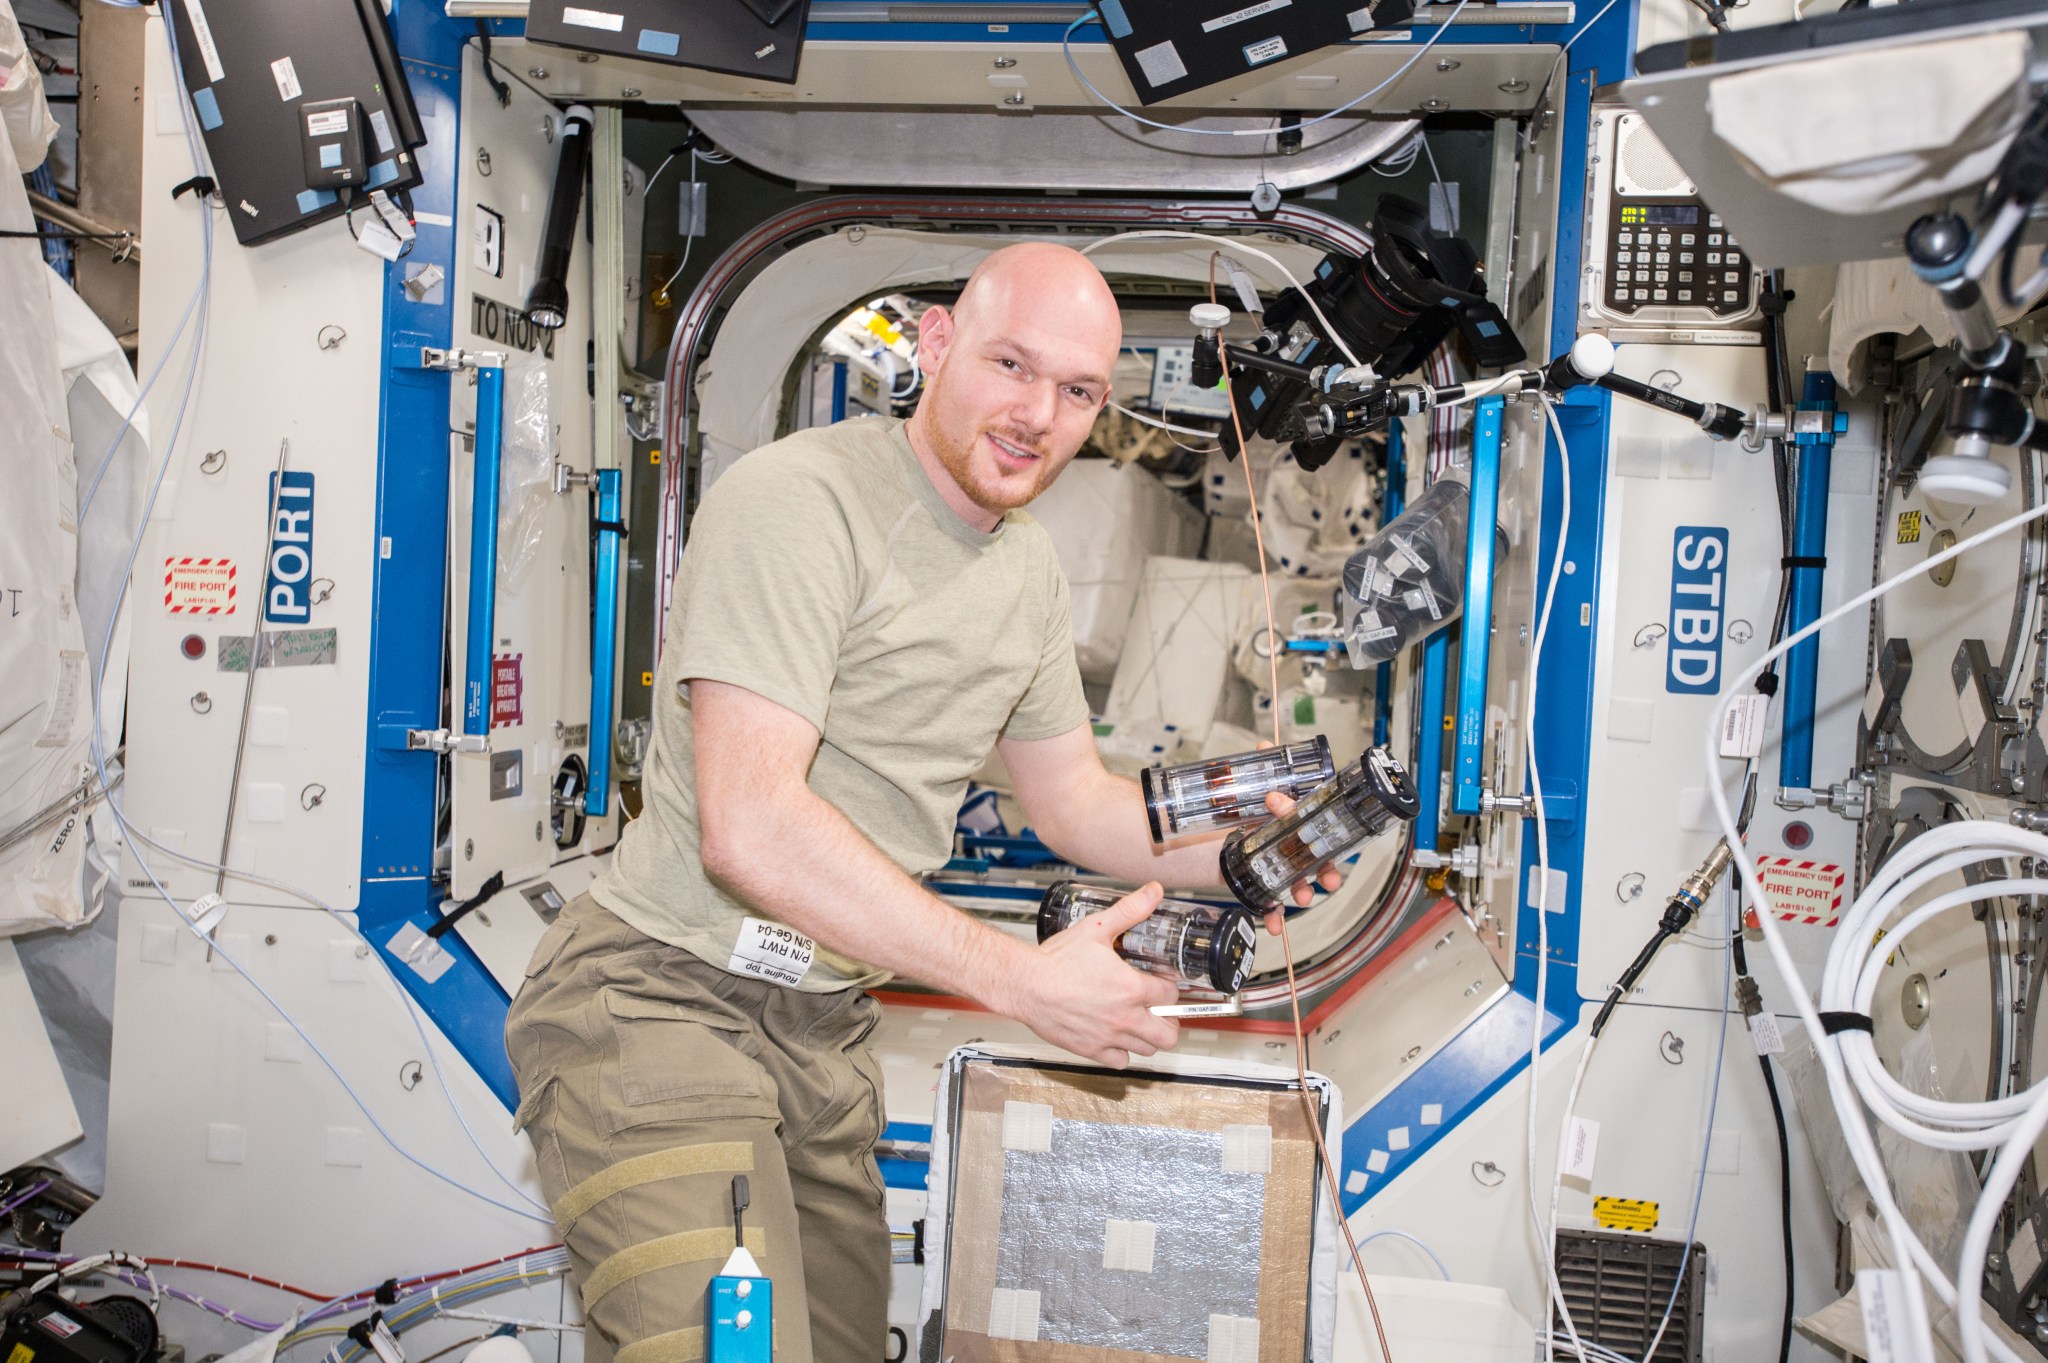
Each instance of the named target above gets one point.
<point>1391,306</point>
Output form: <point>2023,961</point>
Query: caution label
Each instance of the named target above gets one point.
<point>1909,527</point>
<point>1808,892</point>
<point>1625,1213</point>
<point>199,586</point>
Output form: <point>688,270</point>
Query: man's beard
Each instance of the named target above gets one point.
<point>996,498</point>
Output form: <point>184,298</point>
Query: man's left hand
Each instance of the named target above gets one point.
<point>1330,878</point>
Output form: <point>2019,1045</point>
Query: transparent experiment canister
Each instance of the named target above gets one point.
<point>1223,792</point>
<point>1262,864</point>
<point>1197,946</point>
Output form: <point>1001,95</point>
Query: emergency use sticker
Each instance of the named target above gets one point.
<point>1807,892</point>
<point>772,952</point>
<point>199,586</point>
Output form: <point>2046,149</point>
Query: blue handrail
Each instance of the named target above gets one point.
<point>481,626</point>
<point>1475,630</point>
<point>604,642</point>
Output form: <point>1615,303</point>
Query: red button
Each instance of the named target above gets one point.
<point>193,646</point>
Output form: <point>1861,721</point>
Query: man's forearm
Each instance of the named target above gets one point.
<point>805,864</point>
<point>1103,828</point>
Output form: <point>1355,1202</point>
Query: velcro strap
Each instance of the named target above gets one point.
<point>1803,561</point>
<point>677,1346</point>
<point>1832,1023</point>
<point>684,1247</point>
<point>716,1157</point>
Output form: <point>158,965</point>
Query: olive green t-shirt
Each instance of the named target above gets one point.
<point>824,573</point>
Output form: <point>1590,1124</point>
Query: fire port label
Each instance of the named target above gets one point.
<point>1806,892</point>
<point>199,586</point>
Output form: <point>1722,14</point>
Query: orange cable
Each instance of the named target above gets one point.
<point>1308,1103</point>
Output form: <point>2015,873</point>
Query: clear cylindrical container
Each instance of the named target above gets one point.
<point>1408,581</point>
<point>1197,946</point>
<point>1261,865</point>
<point>1204,797</point>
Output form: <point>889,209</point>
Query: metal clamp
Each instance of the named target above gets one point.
<point>454,358</point>
<point>441,740</point>
<point>566,478</point>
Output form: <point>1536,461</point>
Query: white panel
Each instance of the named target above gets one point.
<point>265,381</point>
<point>542,617</point>
<point>37,1117</point>
<point>191,1086</point>
<point>1645,809</point>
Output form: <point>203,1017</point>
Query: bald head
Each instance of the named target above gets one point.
<point>1015,374</point>
<point>1042,277</point>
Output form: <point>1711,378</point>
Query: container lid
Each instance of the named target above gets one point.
<point>1389,781</point>
<point>1155,800</point>
<point>1230,954</point>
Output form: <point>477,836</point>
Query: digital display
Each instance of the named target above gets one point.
<point>1661,215</point>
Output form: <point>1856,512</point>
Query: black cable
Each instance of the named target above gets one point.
<point>1784,1146</point>
<point>498,84</point>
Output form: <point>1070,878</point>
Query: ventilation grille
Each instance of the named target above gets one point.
<point>1617,1285</point>
<point>1642,166</point>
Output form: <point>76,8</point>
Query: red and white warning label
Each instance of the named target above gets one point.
<point>199,586</point>
<point>1808,892</point>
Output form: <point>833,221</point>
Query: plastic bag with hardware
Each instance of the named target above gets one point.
<point>526,472</point>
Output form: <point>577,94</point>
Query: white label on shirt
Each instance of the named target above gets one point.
<point>772,952</point>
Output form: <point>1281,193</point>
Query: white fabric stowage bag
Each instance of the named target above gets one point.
<point>45,705</point>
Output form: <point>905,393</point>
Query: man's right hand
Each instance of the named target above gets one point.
<point>1082,997</point>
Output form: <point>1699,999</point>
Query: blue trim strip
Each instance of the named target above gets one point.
<point>1476,1064</point>
<point>912,1175</point>
<point>408,625</point>
<point>604,642</point>
<point>1475,630</point>
<point>480,627</point>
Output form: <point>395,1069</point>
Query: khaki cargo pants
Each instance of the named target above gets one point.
<point>647,1079</point>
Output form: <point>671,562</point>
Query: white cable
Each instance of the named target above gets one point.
<point>1365,1240</point>
<point>1067,51</point>
<point>1834,1054</point>
<point>1162,425</point>
<point>1542,897</point>
<point>1218,243</point>
<point>689,238</point>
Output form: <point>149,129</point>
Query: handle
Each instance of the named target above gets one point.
<point>483,546</point>
<point>604,642</point>
<point>1475,629</point>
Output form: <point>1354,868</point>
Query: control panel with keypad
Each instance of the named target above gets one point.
<point>1673,253</point>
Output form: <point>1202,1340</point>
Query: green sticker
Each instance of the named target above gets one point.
<point>1305,710</point>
